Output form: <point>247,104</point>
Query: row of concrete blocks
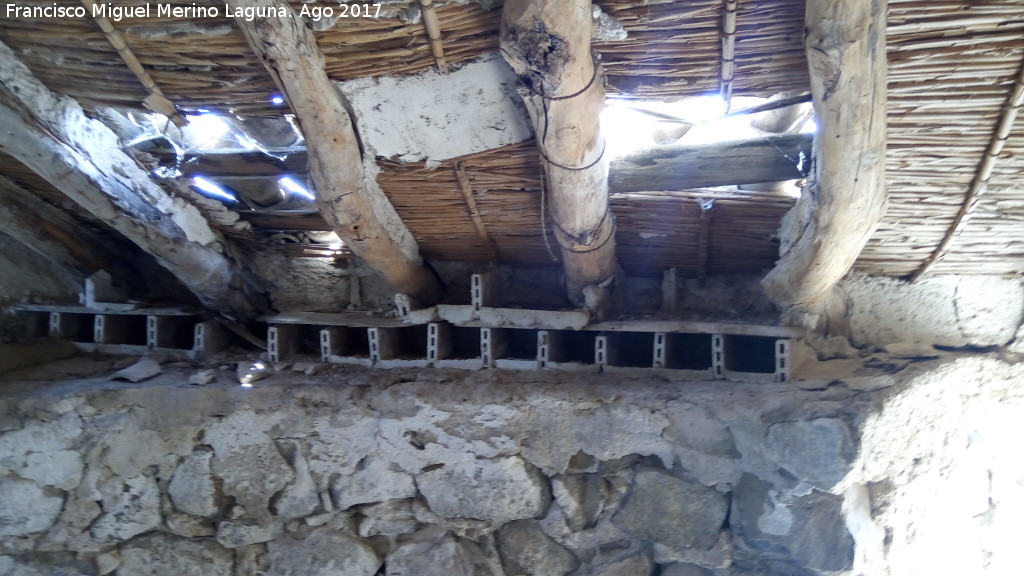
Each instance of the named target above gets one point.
<point>446,346</point>
<point>182,335</point>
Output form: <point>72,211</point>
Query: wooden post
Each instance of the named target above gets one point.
<point>82,158</point>
<point>846,198</point>
<point>360,214</point>
<point>547,43</point>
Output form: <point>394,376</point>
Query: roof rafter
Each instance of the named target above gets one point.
<point>53,234</point>
<point>846,54</point>
<point>51,135</point>
<point>433,28</point>
<point>980,182</point>
<point>156,101</point>
<point>356,210</point>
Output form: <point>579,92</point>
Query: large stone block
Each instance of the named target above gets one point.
<point>819,451</point>
<point>435,553</point>
<point>192,489</point>
<point>252,474</point>
<point>58,468</point>
<point>582,498</point>
<point>129,509</point>
<point>27,508</point>
<point>323,552</point>
<point>162,554</point>
<point>237,534</point>
<point>496,491</point>
<point>373,481</point>
<point>672,511</point>
<point>300,497</point>
<point>60,564</point>
<point>389,518</point>
<point>806,532</point>
<point>696,428</point>
<point>638,565</point>
<point>526,550</point>
<point>685,569</point>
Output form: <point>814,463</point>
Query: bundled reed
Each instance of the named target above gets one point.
<point>655,229</point>
<point>951,69</point>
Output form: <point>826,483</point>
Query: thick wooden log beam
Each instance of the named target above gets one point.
<point>846,198</point>
<point>547,43</point>
<point>51,233</point>
<point>769,159</point>
<point>81,157</point>
<point>360,213</point>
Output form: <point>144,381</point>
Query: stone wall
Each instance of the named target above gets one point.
<point>451,473</point>
<point>424,473</point>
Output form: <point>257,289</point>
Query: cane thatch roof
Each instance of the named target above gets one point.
<point>953,67</point>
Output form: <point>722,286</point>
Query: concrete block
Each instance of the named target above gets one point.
<point>403,304</point>
<point>549,344</point>
<point>661,350</point>
<point>282,342</point>
<point>782,369</point>
<point>493,345</point>
<point>209,337</point>
<point>718,355</point>
<point>439,342</point>
<point>386,344</point>
<point>484,290</point>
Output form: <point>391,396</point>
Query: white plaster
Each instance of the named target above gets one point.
<point>433,116</point>
<point>941,310</point>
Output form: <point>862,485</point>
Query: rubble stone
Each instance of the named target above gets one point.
<point>497,491</point>
<point>672,511</point>
<point>526,550</point>
<point>323,552</point>
<point>817,451</point>
<point>191,487</point>
<point>162,554</point>
<point>27,508</point>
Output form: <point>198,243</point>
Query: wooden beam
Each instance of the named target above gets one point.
<point>769,159</point>
<point>728,67</point>
<point>82,158</point>
<point>846,199</point>
<point>547,43</point>
<point>360,213</point>
<point>980,182</point>
<point>433,28</point>
<point>474,213</point>
<point>51,233</point>
<point>707,208</point>
<point>156,101</point>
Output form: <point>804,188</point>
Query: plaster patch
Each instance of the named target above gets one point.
<point>433,116</point>
<point>940,310</point>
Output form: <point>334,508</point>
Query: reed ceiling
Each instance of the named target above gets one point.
<point>953,66</point>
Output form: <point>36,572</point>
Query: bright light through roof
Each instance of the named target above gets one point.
<point>629,125</point>
<point>207,128</point>
<point>294,187</point>
<point>212,190</point>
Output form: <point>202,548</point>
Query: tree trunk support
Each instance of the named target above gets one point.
<point>547,43</point>
<point>360,213</point>
<point>846,198</point>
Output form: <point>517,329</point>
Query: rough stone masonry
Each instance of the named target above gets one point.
<point>362,473</point>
